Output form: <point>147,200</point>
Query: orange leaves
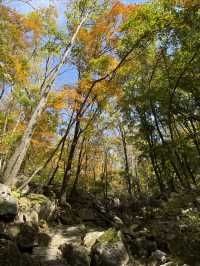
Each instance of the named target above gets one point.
<point>33,24</point>
<point>71,93</point>
<point>68,97</point>
<point>40,144</point>
<point>118,8</point>
<point>103,34</point>
<point>20,70</point>
<point>57,101</point>
<point>14,45</point>
<point>59,105</point>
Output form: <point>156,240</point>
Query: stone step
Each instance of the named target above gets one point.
<point>58,235</point>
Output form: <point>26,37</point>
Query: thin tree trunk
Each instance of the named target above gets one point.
<point>105,175</point>
<point>68,168</point>
<point>2,90</point>
<point>127,170</point>
<point>17,158</point>
<point>57,164</point>
<point>78,169</point>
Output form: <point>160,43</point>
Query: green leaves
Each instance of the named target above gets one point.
<point>161,84</point>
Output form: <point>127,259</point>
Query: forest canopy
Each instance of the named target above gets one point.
<point>106,100</point>
<point>99,133</point>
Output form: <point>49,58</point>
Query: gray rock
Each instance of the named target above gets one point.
<point>75,255</point>
<point>8,204</point>
<point>91,238</point>
<point>35,207</point>
<point>27,238</point>
<point>109,250</point>
<point>117,221</point>
<point>53,238</point>
<point>30,217</point>
<point>13,230</point>
<point>11,256</point>
<point>170,263</point>
<point>143,247</point>
<point>198,200</point>
<point>159,255</point>
<point>9,253</point>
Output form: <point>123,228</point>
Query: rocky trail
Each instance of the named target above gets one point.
<point>35,231</point>
<point>51,240</point>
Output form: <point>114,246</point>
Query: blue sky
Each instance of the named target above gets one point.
<point>22,7</point>
<point>70,75</point>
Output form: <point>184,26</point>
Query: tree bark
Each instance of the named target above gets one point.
<point>78,169</point>
<point>127,170</point>
<point>68,168</point>
<point>15,162</point>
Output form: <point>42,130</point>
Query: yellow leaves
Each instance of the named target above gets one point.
<point>35,142</point>
<point>17,34</point>
<point>117,9</point>
<point>33,24</point>
<point>21,127</point>
<point>40,144</point>
<point>84,35</point>
<point>69,97</point>
<point>84,86</point>
<point>42,138</point>
<point>20,70</point>
<point>45,134</point>
<point>103,34</point>
<point>71,93</point>
<point>59,105</point>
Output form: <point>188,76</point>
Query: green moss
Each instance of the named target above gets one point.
<point>111,235</point>
<point>38,198</point>
<point>13,230</point>
<point>24,203</point>
<point>16,194</point>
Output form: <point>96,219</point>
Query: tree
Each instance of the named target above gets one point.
<point>157,89</point>
<point>17,158</point>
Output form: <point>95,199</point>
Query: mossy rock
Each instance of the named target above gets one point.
<point>24,204</point>
<point>16,194</point>
<point>37,203</point>
<point>13,230</point>
<point>186,245</point>
<point>39,198</point>
<point>110,236</point>
<point>109,250</point>
<point>75,255</point>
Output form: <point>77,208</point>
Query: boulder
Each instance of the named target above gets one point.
<point>30,217</point>
<point>13,230</point>
<point>9,253</point>
<point>159,255</point>
<point>66,216</point>
<point>109,250</point>
<point>35,207</point>
<point>170,263</point>
<point>53,263</point>
<point>27,238</point>
<point>11,256</point>
<point>8,204</point>
<point>91,238</point>
<point>142,246</point>
<point>75,255</point>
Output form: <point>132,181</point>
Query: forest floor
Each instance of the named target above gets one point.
<point>97,232</point>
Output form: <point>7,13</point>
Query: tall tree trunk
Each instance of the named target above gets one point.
<point>105,175</point>
<point>78,169</point>
<point>14,164</point>
<point>127,170</point>
<point>68,168</point>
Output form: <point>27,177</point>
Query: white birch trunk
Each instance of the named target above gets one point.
<point>15,162</point>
